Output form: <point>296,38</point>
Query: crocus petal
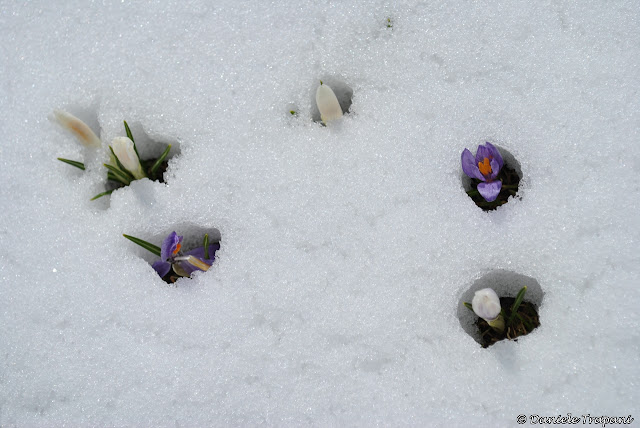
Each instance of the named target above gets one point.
<point>469,165</point>
<point>81,130</point>
<point>169,246</point>
<point>327,103</point>
<point>495,169</point>
<point>199,253</point>
<point>483,152</point>
<point>495,154</point>
<point>124,151</point>
<point>486,304</point>
<point>162,268</point>
<point>490,191</point>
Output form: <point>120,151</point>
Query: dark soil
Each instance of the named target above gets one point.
<point>510,182</point>
<point>524,322</point>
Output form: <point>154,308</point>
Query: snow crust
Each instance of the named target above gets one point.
<point>346,249</point>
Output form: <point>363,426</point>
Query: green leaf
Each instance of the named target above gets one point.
<point>144,244</point>
<point>121,167</point>
<point>113,177</point>
<point>468,305</point>
<point>123,178</point>
<point>99,195</point>
<point>516,304</point>
<point>130,135</point>
<point>72,163</point>
<point>206,246</point>
<point>161,159</point>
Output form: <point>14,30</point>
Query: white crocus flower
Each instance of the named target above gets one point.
<point>328,104</point>
<point>81,130</point>
<point>486,305</point>
<point>123,149</point>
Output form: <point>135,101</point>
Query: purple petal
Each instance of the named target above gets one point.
<point>162,268</point>
<point>495,169</point>
<point>490,191</point>
<point>199,253</point>
<point>495,154</point>
<point>483,152</point>
<point>469,165</point>
<point>169,246</point>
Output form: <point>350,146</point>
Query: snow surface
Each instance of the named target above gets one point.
<point>347,249</point>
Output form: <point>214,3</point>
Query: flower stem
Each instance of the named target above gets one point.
<point>497,324</point>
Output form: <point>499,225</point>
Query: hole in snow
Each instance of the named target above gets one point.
<point>343,92</point>
<point>150,148</point>
<point>506,284</point>
<point>193,238</point>
<point>510,175</point>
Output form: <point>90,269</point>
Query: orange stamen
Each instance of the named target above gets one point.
<point>485,166</point>
<point>177,249</point>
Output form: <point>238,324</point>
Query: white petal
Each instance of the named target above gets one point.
<point>123,149</point>
<point>486,304</point>
<point>328,104</point>
<point>81,130</point>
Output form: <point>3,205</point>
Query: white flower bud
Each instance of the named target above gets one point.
<point>81,130</point>
<point>486,304</point>
<point>123,149</point>
<point>327,103</point>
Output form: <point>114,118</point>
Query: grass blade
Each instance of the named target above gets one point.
<point>113,177</point>
<point>144,244</point>
<point>99,195</point>
<point>516,304</point>
<point>161,159</point>
<point>72,163</point>
<point>123,178</point>
<point>206,246</point>
<point>130,135</point>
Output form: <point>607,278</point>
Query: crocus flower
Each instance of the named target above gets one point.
<point>126,154</point>
<point>183,265</point>
<point>327,103</point>
<point>486,305</point>
<point>81,130</point>
<point>485,167</point>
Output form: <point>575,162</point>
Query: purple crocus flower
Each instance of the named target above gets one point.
<point>485,167</point>
<point>183,265</point>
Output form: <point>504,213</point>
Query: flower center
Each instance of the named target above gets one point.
<point>485,167</point>
<point>177,249</point>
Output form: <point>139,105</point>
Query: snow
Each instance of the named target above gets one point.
<point>346,249</point>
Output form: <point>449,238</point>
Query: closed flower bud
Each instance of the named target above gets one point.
<point>486,305</point>
<point>124,151</point>
<point>327,103</point>
<point>81,130</point>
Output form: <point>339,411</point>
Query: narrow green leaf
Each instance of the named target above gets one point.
<point>130,135</point>
<point>468,305</point>
<point>99,195</point>
<point>128,131</point>
<point>516,304</point>
<point>113,177</point>
<point>121,167</point>
<point>206,246</point>
<point>144,244</point>
<point>124,179</point>
<point>72,163</point>
<point>161,159</point>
